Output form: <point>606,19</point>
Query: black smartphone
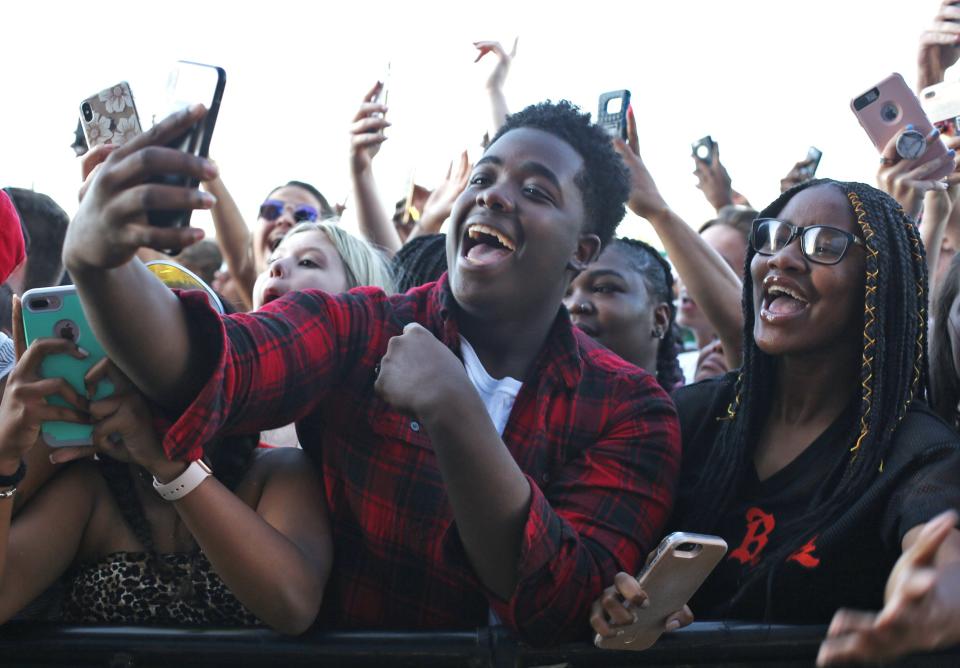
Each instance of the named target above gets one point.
<point>813,158</point>
<point>703,149</point>
<point>612,113</point>
<point>189,84</point>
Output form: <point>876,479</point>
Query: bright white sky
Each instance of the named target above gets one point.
<point>765,79</point>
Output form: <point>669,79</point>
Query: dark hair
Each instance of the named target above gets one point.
<point>229,459</point>
<point>658,279</point>
<point>944,376</point>
<point>603,181</point>
<point>326,211</point>
<point>892,374</point>
<point>45,224</point>
<point>420,260</point>
<point>737,216</point>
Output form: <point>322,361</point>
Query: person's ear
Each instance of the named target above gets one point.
<point>661,318</point>
<point>587,250</point>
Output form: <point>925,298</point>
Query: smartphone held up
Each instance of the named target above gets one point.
<point>110,117</point>
<point>612,113</point>
<point>189,84</point>
<point>888,110</point>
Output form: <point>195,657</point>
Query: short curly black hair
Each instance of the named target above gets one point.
<point>603,181</point>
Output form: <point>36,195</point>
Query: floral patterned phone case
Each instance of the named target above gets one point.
<point>110,116</point>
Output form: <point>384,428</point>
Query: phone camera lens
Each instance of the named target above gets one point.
<point>686,547</point>
<point>87,112</point>
<point>703,152</point>
<point>889,112</point>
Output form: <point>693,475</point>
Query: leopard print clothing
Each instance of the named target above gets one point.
<point>164,589</point>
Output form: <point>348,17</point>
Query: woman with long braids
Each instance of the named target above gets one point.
<point>816,462</point>
<point>624,300</point>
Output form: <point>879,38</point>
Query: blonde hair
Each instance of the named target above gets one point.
<point>366,265</point>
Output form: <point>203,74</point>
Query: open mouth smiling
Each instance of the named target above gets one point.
<point>782,300</point>
<point>484,245</point>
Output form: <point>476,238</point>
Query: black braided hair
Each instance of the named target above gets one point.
<point>944,375</point>
<point>658,279</point>
<point>892,374</point>
<point>419,261</point>
<point>603,181</point>
<point>229,459</point>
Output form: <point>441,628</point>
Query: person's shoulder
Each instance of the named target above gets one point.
<point>921,427</point>
<point>600,359</point>
<point>699,397</point>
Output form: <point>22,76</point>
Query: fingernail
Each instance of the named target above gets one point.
<point>83,352</point>
<point>207,199</point>
<point>673,625</point>
<point>210,169</point>
<point>197,233</point>
<point>195,108</point>
<point>53,458</point>
<point>645,604</point>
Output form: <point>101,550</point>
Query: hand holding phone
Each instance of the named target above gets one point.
<point>190,84</point>
<point>679,566</point>
<point>889,109</point>
<point>111,224</point>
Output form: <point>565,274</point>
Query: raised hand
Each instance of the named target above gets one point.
<point>440,202</point>
<point>939,45</point>
<point>907,180</point>
<point>111,224</point>
<point>366,132</point>
<point>499,74</point>
<point>645,199</point>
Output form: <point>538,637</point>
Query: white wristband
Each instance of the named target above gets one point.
<point>184,483</point>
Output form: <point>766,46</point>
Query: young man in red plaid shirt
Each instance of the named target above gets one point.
<point>521,488</point>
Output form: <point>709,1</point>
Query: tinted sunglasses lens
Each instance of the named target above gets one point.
<point>271,210</point>
<point>305,214</point>
<point>825,245</point>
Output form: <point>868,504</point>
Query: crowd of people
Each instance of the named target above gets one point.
<point>482,408</point>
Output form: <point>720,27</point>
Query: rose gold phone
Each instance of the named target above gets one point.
<point>110,116</point>
<point>671,578</point>
<point>887,108</point>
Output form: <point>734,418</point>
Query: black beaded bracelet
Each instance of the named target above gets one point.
<point>10,480</point>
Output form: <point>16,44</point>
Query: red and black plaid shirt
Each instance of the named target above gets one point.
<point>597,439</point>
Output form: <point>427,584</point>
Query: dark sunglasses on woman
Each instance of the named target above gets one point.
<point>818,243</point>
<point>274,208</point>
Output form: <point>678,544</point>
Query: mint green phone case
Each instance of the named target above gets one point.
<point>55,312</point>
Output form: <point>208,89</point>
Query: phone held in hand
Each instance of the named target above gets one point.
<point>813,161</point>
<point>110,116</point>
<point>189,84</point>
<point>612,113</point>
<point>703,149</point>
<point>56,312</point>
<point>941,102</point>
<point>680,565</point>
<point>885,110</point>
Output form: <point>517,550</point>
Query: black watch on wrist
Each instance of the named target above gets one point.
<point>11,480</point>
